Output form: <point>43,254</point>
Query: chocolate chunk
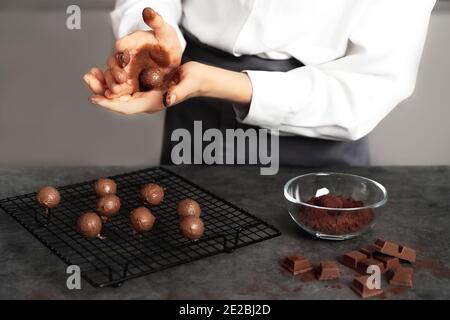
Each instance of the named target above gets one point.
<point>403,276</point>
<point>328,270</point>
<point>297,264</point>
<point>390,263</point>
<point>369,251</point>
<point>395,250</point>
<point>359,285</point>
<point>363,265</point>
<point>351,259</point>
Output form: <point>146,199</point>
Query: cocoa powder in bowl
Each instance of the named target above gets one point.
<point>335,222</point>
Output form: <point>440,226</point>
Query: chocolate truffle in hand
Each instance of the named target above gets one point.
<point>152,194</point>
<point>142,220</point>
<point>104,186</point>
<point>109,205</point>
<point>188,208</point>
<point>192,228</point>
<point>48,197</point>
<point>150,78</point>
<point>89,225</point>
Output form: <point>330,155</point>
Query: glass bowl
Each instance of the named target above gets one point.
<point>334,206</point>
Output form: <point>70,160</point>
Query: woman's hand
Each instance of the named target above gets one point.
<point>139,102</point>
<point>200,80</point>
<point>121,77</point>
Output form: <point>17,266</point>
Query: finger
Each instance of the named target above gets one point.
<point>113,86</point>
<point>178,93</point>
<point>115,105</point>
<point>118,73</point>
<point>123,57</point>
<point>126,105</point>
<point>109,94</point>
<point>113,95</point>
<point>120,76</point>
<point>96,72</point>
<point>131,42</point>
<point>109,79</point>
<point>156,22</point>
<point>94,84</point>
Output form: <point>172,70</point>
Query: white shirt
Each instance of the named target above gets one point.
<point>361,56</point>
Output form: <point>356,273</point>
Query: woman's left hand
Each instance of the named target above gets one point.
<point>139,102</point>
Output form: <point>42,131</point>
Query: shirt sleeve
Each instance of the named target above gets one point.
<point>346,98</point>
<point>127,16</point>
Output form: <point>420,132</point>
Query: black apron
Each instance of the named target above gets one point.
<point>214,113</point>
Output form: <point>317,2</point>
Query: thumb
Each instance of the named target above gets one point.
<point>155,21</point>
<point>178,93</point>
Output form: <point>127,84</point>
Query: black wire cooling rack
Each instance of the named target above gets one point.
<point>123,255</point>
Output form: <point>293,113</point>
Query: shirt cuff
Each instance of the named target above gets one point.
<point>276,97</point>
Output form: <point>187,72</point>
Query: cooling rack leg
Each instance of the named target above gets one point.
<point>228,248</point>
<point>117,285</point>
<point>41,219</point>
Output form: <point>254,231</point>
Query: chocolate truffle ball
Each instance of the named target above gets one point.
<point>188,208</point>
<point>104,186</point>
<point>151,78</point>
<point>109,205</point>
<point>48,197</point>
<point>152,194</point>
<point>89,225</point>
<point>192,227</point>
<point>142,220</point>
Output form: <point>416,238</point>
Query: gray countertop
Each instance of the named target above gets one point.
<point>417,215</point>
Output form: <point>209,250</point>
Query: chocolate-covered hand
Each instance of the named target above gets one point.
<point>144,59</point>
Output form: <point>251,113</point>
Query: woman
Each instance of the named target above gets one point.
<point>324,73</point>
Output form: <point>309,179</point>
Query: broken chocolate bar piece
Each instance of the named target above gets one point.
<point>328,270</point>
<point>363,265</point>
<point>395,250</point>
<point>297,264</point>
<point>390,263</point>
<point>403,276</point>
<point>369,251</point>
<point>352,258</point>
<point>359,285</point>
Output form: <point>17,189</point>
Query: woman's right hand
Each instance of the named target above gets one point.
<point>118,80</point>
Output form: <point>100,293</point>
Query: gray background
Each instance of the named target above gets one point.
<point>46,119</point>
